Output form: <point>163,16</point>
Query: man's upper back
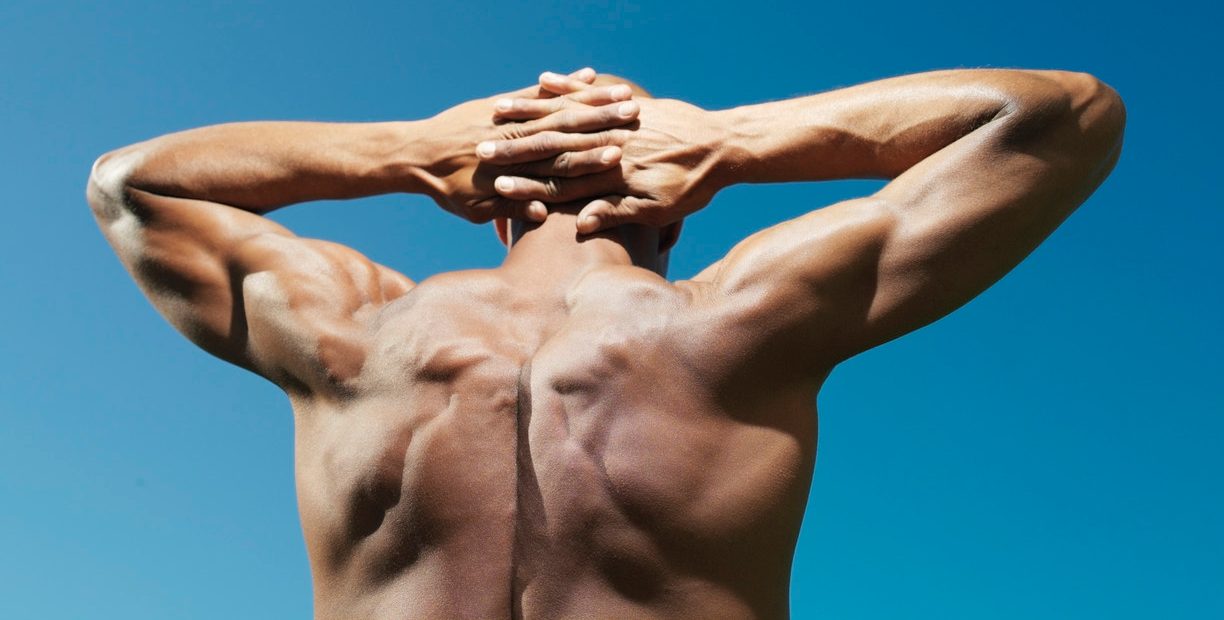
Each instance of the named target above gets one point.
<point>584,454</point>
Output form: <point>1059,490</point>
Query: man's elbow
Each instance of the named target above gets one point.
<point>1099,107</point>
<point>1075,113</point>
<point>1096,108</point>
<point>106,189</point>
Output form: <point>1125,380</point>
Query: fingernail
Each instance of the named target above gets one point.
<point>537,211</point>
<point>485,149</point>
<point>548,75</point>
<point>590,222</point>
<point>504,184</point>
<point>503,105</point>
<point>609,154</point>
<point>620,92</point>
<point>627,109</point>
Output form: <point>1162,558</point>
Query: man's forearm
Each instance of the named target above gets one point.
<point>260,166</point>
<point>874,130</point>
<point>681,155</point>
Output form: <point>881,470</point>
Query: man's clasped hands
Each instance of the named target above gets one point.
<point>579,143</point>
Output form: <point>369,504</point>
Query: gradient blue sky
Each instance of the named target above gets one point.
<point>1052,450</point>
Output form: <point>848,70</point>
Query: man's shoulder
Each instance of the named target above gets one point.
<point>474,281</point>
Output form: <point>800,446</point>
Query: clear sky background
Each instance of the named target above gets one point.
<point>1052,450</point>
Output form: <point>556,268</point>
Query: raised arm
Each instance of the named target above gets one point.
<point>984,164</point>
<point>183,212</point>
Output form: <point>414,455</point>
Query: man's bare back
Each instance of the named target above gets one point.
<point>570,434</point>
<point>586,443</point>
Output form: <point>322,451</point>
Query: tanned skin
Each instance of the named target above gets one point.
<point>571,435</point>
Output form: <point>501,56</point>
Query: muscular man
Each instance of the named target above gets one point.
<point>569,434</point>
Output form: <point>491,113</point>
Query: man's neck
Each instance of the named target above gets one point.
<point>553,255</point>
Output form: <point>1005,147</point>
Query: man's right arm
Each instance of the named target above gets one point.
<point>985,164</point>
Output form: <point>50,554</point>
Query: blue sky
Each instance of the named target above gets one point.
<point>1052,450</point>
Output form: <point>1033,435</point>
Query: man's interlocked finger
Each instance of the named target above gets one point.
<point>542,146</point>
<point>562,84</point>
<point>572,164</point>
<point>601,95</point>
<point>499,206</point>
<point>583,76</point>
<point>607,212</point>
<point>521,109</point>
<point>557,189</point>
<point>525,109</point>
<point>585,118</point>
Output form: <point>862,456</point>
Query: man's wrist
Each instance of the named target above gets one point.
<point>413,158</point>
<point>734,133</point>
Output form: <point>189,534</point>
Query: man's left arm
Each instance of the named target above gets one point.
<point>262,166</point>
<point>184,214</point>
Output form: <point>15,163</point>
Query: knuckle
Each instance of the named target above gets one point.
<point>516,131</point>
<point>552,188</point>
<point>541,143</point>
<point>545,142</point>
<point>564,162</point>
